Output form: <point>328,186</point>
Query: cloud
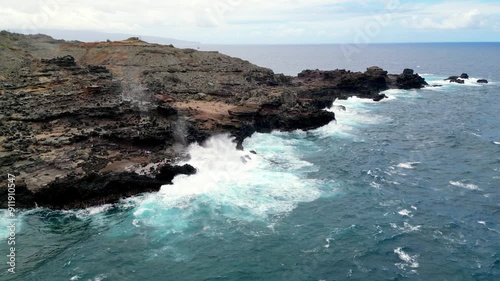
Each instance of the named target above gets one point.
<point>450,16</point>
<point>470,19</point>
<point>223,21</point>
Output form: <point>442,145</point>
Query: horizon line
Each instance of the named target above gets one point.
<point>356,44</point>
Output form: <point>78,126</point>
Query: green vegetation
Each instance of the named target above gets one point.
<point>5,45</point>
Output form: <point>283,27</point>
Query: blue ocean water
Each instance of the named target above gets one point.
<point>404,189</point>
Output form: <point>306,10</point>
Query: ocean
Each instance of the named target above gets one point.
<point>404,189</point>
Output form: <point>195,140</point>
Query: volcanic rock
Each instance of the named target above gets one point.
<point>84,124</point>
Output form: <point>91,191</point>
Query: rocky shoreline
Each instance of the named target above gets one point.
<point>84,124</point>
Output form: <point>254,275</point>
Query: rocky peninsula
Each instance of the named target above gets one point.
<point>85,124</point>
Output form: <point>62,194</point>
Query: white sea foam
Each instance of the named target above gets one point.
<point>472,81</point>
<point>233,184</point>
<point>4,223</point>
<point>92,211</point>
<point>408,261</point>
<point>482,222</point>
<point>328,240</point>
<point>468,186</point>
<point>497,142</point>
<point>375,185</point>
<point>100,277</point>
<point>406,227</point>
<point>349,114</point>
<point>407,165</point>
<point>405,213</point>
<point>393,94</point>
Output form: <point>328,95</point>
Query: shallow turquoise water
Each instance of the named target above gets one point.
<point>404,189</point>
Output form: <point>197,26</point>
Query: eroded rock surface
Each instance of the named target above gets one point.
<point>89,123</point>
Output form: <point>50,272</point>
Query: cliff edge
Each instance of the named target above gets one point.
<point>89,123</point>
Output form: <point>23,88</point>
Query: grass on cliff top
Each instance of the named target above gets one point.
<point>7,46</point>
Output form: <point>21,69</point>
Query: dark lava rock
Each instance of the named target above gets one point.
<point>96,123</point>
<point>239,146</point>
<point>375,71</point>
<point>482,81</point>
<point>168,172</point>
<point>380,97</point>
<point>407,80</point>
<point>408,71</point>
<point>166,110</point>
<point>96,189</point>
<point>66,61</point>
<point>464,76</point>
<point>455,79</point>
<point>97,69</point>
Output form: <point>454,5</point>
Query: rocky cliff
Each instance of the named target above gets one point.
<point>89,123</point>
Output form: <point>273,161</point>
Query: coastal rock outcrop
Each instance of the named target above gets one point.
<point>409,80</point>
<point>380,97</point>
<point>89,123</point>
<point>75,191</point>
<point>455,79</point>
<point>461,79</point>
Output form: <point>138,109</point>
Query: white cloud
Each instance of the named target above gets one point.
<point>219,21</point>
<point>455,15</point>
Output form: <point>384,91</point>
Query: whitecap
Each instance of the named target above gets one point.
<point>406,228</point>
<point>375,185</point>
<point>408,260</point>
<point>482,222</point>
<point>91,211</point>
<point>405,213</point>
<point>468,186</point>
<point>100,277</point>
<point>410,228</point>
<point>328,240</point>
<point>407,165</point>
<point>497,142</point>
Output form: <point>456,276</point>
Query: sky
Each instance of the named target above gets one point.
<point>264,21</point>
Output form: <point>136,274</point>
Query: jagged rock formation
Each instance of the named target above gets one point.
<point>461,79</point>
<point>89,123</point>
